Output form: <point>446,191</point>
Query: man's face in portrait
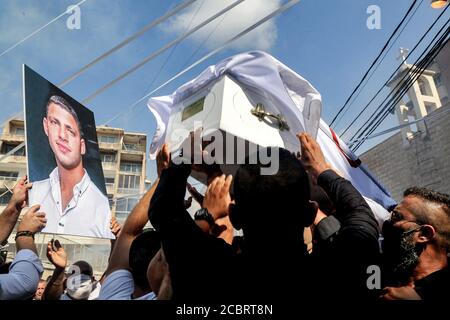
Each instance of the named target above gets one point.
<point>64,136</point>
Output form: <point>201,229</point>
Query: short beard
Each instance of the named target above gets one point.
<point>408,260</point>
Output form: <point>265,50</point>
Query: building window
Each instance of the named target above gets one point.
<point>7,175</point>
<point>4,199</point>
<point>126,204</point>
<point>108,157</point>
<point>131,146</point>
<point>129,183</point>
<point>424,87</point>
<point>131,167</point>
<point>7,147</point>
<point>111,200</point>
<point>107,139</point>
<point>19,131</point>
<point>124,207</point>
<point>109,182</point>
<point>438,80</point>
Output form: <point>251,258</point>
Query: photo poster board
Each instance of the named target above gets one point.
<point>62,151</point>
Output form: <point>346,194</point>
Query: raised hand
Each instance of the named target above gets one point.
<point>162,159</point>
<point>115,227</point>
<point>20,193</point>
<point>217,197</point>
<point>56,254</point>
<point>197,196</point>
<point>33,220</point>
<point>312,156</point>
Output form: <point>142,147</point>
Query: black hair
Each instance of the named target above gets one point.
<point>441,222</point>
<point>85,268</point>
<point>265,199</point>
<point>142,250</point>
<point>60,101</point>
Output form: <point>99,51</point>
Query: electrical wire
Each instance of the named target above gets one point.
<point>158,52</point>
<point>374,62</point>
<point>137,34</point>
<point>379,63</point>
<point>393,73</point>
<point>418,69</point>
<point>38,30</point>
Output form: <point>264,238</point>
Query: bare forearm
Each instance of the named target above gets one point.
<point>26,242</point>
<point>8,220</point>
<point>138,217</point>
<point>133,226</point>
<point>55,287</point>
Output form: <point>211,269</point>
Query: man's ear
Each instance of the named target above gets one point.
<point>427,233</point>
<point>234,215</point>
<point>82,147</point>
<point>45,125</point>
<point>310,213</point>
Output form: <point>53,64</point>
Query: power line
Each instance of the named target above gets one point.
<point>393,73</point>
<point>159,51</point>
<point>127,40</point>
<point>397,100</point>
<point>380,62</point>
<point>399,90</point>
<point>205,40</point>
<point>374,62</point>
<point>367,137</point>
<point>38,30</point>
<point>194,15</point>
<point>412,77</point>
<point>281,9</point>
<point>404,87</point>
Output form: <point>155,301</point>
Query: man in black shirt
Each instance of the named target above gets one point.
<point>272,211</point>
<point>416,246</point>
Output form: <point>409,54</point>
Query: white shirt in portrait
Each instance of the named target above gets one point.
<point>87,213</point>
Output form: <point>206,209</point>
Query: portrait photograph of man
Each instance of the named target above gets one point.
<point>64,161</point>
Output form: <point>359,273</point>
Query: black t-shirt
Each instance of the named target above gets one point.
<point>435,286</point>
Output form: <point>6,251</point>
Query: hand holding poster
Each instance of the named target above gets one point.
<point>64,161</point>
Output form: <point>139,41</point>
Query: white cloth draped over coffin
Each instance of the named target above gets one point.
<point>295,97</point>
<point>258,72</point>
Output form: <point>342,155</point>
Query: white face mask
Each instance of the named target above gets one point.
<point>79,286</point>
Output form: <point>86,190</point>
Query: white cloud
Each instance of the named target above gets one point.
<point>234,21</point>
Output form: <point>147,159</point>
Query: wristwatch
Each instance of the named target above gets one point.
<point>203,214</point>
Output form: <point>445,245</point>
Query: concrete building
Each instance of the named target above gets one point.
<point>123,156</point>
<point>419,154</point>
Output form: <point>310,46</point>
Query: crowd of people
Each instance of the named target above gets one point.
<point>201,259</point>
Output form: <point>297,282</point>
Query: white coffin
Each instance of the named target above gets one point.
<point>223,106</point>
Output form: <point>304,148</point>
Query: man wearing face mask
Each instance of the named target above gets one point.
<point>79,285</point>
<point>416,246</point>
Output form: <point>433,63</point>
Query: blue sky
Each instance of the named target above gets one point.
<point>327,42</point>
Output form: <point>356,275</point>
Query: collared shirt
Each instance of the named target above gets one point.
<point>119,285</point>
<point>87,213</point>
<point>23,278</point>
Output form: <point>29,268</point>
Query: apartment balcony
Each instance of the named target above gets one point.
<point>127,191</point>
<point>12,137</point>
<point>14,159</point>
<point>109,145</point>
<point>133,148</point>
<point>111,166</point>
<point>7,182</point>
<point>110,188</point>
